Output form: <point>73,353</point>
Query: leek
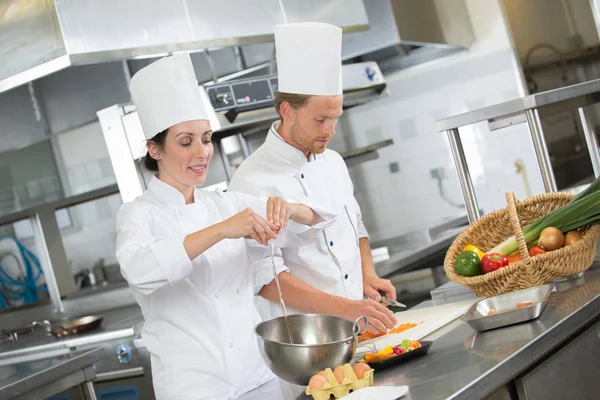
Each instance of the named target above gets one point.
<point>582,210</point>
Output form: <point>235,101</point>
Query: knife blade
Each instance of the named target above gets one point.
<point>389,302</point>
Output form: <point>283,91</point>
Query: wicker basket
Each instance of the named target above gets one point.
<point>495,227</point>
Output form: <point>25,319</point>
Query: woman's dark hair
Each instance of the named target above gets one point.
<point>159,139</point>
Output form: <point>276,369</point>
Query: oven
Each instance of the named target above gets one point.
<point>123,374</point>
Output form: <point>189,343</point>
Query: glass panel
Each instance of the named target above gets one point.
<point>28,178</point>
<point>21,278</point>
<point>83,159</point>
<point>88,232</point>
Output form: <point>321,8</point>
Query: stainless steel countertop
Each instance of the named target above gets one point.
<point>118,323</point>
<point>464,364</point>
<point>538,100</point>
<point>19,379</point>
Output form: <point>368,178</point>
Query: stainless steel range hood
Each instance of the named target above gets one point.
<point>39,37</point>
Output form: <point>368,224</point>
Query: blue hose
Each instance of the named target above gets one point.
<point>16,290</point>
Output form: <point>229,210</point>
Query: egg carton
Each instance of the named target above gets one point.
<point>333,387</point>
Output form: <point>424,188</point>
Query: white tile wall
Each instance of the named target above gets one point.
<point>410,199</point>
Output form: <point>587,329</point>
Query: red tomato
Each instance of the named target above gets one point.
<point>535,250</point>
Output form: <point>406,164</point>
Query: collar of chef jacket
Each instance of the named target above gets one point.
<point>167,194</point>
<point>286,150</point>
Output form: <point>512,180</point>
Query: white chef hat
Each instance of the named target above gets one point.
<point>309,58</point>
<point>166,93</point>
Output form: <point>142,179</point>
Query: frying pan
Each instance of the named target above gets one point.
<point>76,326</point>
<point>58,330</point>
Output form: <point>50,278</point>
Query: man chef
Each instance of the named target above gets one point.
<point>332,275</point>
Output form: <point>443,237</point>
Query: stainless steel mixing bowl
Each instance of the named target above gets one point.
<point>317,342</point>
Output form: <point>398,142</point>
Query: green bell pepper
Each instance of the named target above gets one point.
<point>467,264</point>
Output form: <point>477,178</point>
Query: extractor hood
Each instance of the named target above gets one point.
<point>435,24</point>
<point>39,37</point>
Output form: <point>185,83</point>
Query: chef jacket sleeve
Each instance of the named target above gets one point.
<point>262,265</point>
<point>296,235</point>
<point>362,231</point>
<point>147,262</point>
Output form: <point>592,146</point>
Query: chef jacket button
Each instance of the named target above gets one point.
<point>237,291</point>
<point>302,176</point>
<point>180,212</point>
<point>216,295</point>
<point>331,243</point>
<point>230,344</point>
<point>346,276</point>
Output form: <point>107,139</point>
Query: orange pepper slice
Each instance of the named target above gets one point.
<point>372,357</point>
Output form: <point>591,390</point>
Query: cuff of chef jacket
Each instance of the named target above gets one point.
<point>172,258</point>
<point>263,270</point>
<point>362,231</point>
<point>299,235</point>
<point>303,235</point>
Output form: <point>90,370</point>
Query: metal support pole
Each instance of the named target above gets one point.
<point>590,139</point>
<point>244,145</point>
<point>224,160</point>
<point>55,264</point>
<point>541,150</point>
<point>88,391</point>
<point>464,178</point>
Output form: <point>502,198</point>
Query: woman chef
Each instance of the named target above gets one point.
<point>182,251</point>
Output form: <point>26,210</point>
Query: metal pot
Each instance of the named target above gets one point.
<point>314,342</point>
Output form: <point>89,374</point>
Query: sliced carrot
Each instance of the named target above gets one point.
<point>522,304</point>
<point>370,335</point>
<point>399,329</point>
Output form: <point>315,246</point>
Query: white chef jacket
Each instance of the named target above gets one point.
<point>199,315</point>
<point>331,263</point>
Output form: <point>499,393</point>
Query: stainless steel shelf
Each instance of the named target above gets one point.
<point>530,110</point>
<point>60,203</point>
<point>586,93</point>
<point>53,257</point>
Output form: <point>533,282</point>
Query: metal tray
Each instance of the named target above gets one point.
<point>506,312</point>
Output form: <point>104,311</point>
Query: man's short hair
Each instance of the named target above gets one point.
<point>296,100</point>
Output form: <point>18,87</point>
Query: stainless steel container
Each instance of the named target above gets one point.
<point>506,309</point>
<point>314,342</point>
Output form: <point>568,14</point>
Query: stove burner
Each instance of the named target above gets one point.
<point>9,337</point>
<point>13,336</point>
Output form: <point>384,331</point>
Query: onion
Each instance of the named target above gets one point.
<point>572,237</point>
<point>551,239</point>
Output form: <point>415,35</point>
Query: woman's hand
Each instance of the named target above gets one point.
<point>248,224</point>
<point>279,212</point>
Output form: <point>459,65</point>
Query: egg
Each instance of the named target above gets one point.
<point>316,382</point>
<point>322,373</point>
<point>338,372</point>
<point>360,369</point>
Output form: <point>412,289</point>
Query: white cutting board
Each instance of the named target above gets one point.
<point>433,319</point>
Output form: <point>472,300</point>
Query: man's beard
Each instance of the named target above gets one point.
<point>307,145</point>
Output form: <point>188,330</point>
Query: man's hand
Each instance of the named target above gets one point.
<point>373,286</point>
<point>379,317</point>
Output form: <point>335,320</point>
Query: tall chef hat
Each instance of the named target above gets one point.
<point>166,93</point>
<point>309,58</point>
